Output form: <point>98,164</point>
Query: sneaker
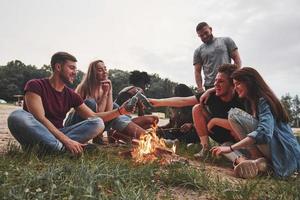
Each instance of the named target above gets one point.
<point>203,153</point>
<point>98,140</point>
<point>250,168</point>
<point>262,164</point>
<point>144,100</point>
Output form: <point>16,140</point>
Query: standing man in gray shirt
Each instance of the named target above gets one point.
<point>214,52</point>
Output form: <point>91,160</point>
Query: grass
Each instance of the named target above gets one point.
<point>105,175</point>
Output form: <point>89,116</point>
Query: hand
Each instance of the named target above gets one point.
<point>200,89</point>
<point>205,96</point>
<point>217,150</point>
<point>186,127</point>
<point>74,147</point>
<point>211,124</point>
<point>154,102</point>
<point>106,85</point>
<point>124,108</point>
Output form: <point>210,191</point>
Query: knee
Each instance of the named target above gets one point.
<point>198,111</point>
<point>115,105</point>
<point>154,119</point>
<point>196,108</point>
<point>97,124</point>
<point>233,114</point>
<point>17,117</point>
<point>121,122</point>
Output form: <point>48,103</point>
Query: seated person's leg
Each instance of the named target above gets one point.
<point>84,131</point>
<point>146,121</point>
<point>243,123</point>
<point>221,135</point>
<point>189,137</point>
<point>200,118</point>
<point>30,132</point>
<point>124,125</point>
<point>223,123</point>
<point>74,118</point>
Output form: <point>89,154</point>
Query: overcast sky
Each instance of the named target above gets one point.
<point>157,36</point>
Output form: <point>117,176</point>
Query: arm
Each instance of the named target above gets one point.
<point>140,109</point>
<point>35,107</point>
<point>198,77</point>
<point>105,102</point>
<point>205,96</point>
<point>236,58</point>
<point>85,112</point>
<point>174,101</point>
<point>266,124</point>
<point>247,141</point>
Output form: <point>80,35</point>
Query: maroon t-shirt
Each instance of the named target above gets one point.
<point>56,104</point>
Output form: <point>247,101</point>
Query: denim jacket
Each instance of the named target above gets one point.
<point>284,147</point>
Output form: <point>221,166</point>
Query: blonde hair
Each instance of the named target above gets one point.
<point>88,86</point>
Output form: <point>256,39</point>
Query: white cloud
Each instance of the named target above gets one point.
<point>154,36</point>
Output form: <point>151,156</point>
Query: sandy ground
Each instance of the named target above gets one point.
<point>5,136</point>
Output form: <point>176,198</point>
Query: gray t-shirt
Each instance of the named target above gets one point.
<point>210,56</point>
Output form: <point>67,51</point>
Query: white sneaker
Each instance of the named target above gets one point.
<point>251,168</point>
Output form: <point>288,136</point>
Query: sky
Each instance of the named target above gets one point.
<point>157,36</point>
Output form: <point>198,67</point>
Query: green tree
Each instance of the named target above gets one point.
<point>13,77</point>
<point>296,111</point>
<point>286,101</point>
<point>119,80</point>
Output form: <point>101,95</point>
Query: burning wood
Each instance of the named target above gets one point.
<point>150,148</point>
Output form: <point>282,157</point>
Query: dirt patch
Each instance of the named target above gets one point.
<point>5,136</point>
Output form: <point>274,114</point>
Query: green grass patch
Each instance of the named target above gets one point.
<point>105,175</point>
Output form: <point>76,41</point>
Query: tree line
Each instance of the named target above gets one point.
<point>15,74</point>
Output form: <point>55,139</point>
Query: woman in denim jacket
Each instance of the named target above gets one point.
<point>265,129</point>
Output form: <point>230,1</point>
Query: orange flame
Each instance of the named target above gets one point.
<point>147,150</point>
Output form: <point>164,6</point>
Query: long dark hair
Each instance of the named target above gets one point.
<point>258,88</point>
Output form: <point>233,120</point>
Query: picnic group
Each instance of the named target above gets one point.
<point>233,106</point>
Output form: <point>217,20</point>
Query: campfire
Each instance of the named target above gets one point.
<point>150,148</point>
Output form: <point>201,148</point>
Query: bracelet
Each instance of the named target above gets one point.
<point>230,148</point>
<point>119,110</point>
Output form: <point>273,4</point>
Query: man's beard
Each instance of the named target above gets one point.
<point>65,79</point>
<point>209,39</point>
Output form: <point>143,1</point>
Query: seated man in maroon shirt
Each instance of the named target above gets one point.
<point>46,103</point>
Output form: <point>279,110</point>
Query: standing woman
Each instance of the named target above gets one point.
<point>266,127</point>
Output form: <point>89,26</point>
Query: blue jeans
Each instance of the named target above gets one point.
<point>119,123</point>
<point>29,132</point>
<point>243,123</point>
